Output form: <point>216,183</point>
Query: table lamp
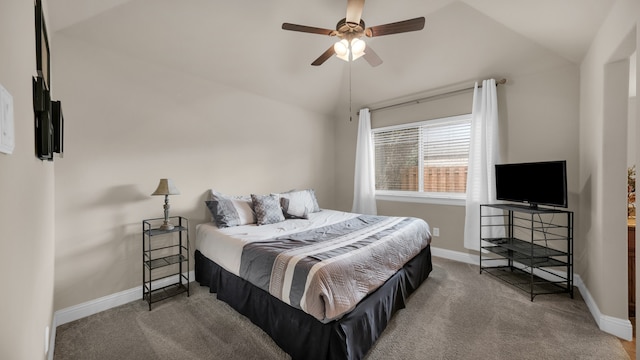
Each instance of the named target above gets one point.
<point>166,187</point>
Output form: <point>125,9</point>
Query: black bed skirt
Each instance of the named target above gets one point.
<point>301,335</point>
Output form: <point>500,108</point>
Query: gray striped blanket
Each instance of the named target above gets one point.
<point>328,270</point>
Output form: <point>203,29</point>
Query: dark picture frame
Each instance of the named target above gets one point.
<point>43,122</point>
<point>48,118</point>
<point>43,57</point>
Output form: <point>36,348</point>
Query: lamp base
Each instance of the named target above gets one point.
<point>166,226</point>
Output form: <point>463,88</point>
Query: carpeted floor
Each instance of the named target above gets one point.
<point>456,314</point>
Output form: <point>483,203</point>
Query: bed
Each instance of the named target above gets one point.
<point>322,285</point>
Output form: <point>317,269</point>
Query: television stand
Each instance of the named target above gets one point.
<point>530,248</point>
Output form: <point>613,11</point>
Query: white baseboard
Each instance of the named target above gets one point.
<point>455,255</point>
<point>88,308</point>
<point>621,328</point>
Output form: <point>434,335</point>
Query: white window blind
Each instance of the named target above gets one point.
<point>425,157</point>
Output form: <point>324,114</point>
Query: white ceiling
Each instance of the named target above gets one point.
<point>240,43</point>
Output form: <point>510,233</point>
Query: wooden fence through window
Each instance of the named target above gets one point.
<point>436,179</point>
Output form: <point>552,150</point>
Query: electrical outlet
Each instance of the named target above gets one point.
<point>436,231</point>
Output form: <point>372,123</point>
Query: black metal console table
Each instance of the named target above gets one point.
<point>530,248</point>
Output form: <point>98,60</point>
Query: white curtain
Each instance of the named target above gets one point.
<point>484,153</point>
<point>364,191</point>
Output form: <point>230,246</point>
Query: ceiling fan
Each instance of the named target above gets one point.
<point>351,29</point>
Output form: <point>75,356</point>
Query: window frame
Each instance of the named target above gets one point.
<point>439,198</point>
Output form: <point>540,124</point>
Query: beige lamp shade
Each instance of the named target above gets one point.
<point>166,187</point>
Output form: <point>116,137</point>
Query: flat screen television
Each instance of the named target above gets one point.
<point>534,183</point>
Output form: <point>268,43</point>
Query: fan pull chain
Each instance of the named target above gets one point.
<point>350,111</point>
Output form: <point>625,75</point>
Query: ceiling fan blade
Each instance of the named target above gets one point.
<point>322,58</point>
<point>307,29</point>
<point>372,58</point>
<point>396,28</point>
<point>354,11</point>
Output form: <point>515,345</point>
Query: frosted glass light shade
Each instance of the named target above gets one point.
<point>357,48</point>
<point>342,49</point>
<point>166,187</point>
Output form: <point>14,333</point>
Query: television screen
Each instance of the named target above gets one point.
<point>535,183</point>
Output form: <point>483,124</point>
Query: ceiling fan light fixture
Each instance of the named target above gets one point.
<point>357,48</point>
<point>342,49</point>
<point>349,50</point>
<point>350,29</point>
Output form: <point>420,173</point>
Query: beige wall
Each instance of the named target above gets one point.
<point>603,122</point>
<point>26,200</point>
<point>128,124</point>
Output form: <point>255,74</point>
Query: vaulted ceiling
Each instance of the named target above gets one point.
<point>241,44</point>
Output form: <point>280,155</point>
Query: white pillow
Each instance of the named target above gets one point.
<point>299,203</point>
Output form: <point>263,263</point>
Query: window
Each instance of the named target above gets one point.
<point>427,159</point>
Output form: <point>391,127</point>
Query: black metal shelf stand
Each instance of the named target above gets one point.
<point>529,247</point>
<point>165,256</point>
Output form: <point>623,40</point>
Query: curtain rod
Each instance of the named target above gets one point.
<point>417,101</point>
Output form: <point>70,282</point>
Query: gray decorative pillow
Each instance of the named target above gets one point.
<point>299,203</point>
<point>230,211</point>
<point>267,208</point>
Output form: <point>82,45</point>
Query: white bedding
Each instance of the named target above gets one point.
<point>224,246</point>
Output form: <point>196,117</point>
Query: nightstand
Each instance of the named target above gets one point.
<point>165,259</point>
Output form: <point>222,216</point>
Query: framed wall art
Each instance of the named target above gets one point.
<point>48,121</point>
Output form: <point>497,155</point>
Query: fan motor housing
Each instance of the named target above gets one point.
<point>343,27</point>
